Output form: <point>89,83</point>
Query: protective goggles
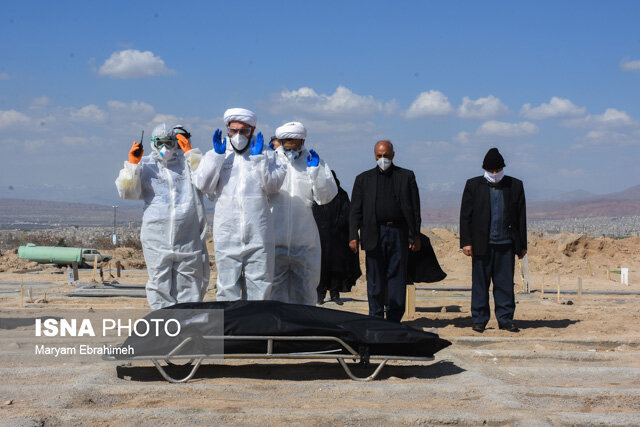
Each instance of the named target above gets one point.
<point>163,142</point>
<point>295,147</point>
<point>243,131</point>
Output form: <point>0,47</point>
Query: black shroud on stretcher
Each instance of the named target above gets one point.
<point>271,329</point>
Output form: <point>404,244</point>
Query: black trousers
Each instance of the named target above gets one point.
<point>387,273</point>
<point>496,265</point>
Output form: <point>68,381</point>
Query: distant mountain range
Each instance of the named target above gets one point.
<point>437,207</point>
<point>574,204</point>
<point>19,211</point>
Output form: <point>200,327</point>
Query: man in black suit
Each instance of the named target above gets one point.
<point>385,208</point>
<point>493,229</point>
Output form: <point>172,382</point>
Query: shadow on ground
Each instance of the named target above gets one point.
<point>291,372</point>
<point>18,322</point>
<point>438,309</point>
<point>467,322</point>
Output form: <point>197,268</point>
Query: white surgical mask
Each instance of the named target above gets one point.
<point>383,163</point>
<point>167,153</point>
<point>292,154</point>
<point>494,178</point>
<point>239,141</point>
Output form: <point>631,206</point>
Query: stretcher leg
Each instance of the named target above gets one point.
<point>174,380</point>
<point>356,378</point>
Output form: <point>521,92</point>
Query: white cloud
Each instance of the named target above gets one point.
<point>40,102</point>
<point>169,119</point>
<point>73,140</point>
<point>88,114</point>
<point>496,128</point>
<point>627,65</point>
<point>462,137</point>
<point>5,76</point>
<point>335,127</point>
<point>132,63</point>
<point>134,114</point>
<point>134,107</point>
<point>609,138</point>
<point>391,107</point>
<point>610,119</point>
<point>12,117</point>
<point>482,108</point>
<point>557,107</point>
<point>432,103</point>
<point>343,102</point>
<point>33,144</point>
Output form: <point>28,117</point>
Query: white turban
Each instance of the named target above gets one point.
<point>291,130</point>
<point>240,115</point>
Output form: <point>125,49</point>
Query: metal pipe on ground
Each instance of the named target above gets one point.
<point>562,291</point>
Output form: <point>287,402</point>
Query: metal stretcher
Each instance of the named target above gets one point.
<point>346,352</point>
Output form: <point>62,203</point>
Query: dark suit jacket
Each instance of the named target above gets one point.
<point>363,205</point>
<point>475,214</point>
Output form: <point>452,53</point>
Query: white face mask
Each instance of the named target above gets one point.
<point>494,178</point>
<point>239,141</point>
<point>167,153</point>
<point>292,154</point>
<point>383,163</point>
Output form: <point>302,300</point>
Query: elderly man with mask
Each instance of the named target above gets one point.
<point>173,224</point>
<point>385,209</point>
<point>493,229</point>
<point>298,252</point>
<point>238,176</point>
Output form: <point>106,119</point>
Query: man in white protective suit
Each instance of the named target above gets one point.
<point>298,252</point>
<point>238,176</point>
<point>174,223</point>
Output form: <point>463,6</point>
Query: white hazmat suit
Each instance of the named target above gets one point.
<point>298,252</point>
<point>174,224</point>
<point>238,183</point>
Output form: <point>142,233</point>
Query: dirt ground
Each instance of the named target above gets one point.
<point>575,360</point>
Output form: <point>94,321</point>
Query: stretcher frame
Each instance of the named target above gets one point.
<point>336,354</point>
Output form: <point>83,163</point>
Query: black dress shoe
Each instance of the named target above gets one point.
<point>478,327</point>
<point>509,327</point>
<point>335,297</point>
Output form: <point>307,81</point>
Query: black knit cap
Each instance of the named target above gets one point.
<point>493,160</point>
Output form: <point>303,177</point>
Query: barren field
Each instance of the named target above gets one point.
<point>575,361</point>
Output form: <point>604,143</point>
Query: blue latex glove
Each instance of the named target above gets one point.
<point>219,145</point>
<point>273,147</point>
<point>313,159</point>
<point>257,144</point>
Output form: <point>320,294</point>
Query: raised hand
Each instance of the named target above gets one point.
<point>219,145</point>
<point>313,159</point>
<point>257,144</point>
<point>184,143</point>
<point>136,152</point>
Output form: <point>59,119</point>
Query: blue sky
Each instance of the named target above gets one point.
<point>554,85</point>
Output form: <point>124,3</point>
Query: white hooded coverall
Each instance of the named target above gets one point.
<point>173,226</point>
<point>238,184</point>
<point>298,252</point>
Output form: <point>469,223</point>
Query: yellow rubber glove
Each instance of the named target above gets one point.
<point>134,156</point>
<point>184,143</point>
